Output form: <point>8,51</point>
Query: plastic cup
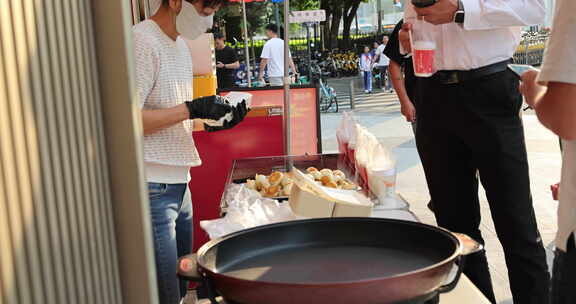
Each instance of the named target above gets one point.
<point>423,58</point>
<point>423,42</point>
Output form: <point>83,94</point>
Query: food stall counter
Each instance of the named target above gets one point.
<point>260,134</point>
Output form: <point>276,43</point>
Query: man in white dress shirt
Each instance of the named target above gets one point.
<point>469,122</point>
<point>555,105</point>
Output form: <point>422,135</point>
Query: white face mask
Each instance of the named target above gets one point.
<point>190,24</point>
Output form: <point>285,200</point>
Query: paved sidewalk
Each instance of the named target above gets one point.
<point>380,113</point>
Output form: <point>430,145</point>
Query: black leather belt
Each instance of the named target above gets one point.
<point>453,77</point>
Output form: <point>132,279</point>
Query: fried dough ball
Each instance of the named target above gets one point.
<point>326,172</point>
<point>272,191</point>
<point>326,180</point>
<point>339,174</point>
<point>262,181</point>
<point>346,185</point>
<point>275,178</point>
<point>331,184</point>
<point>317,175</point>
<point>311,169</point>
<point>286,181</point>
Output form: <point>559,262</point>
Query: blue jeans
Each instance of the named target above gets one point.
<point>368,81</point>
<point>172,232</point>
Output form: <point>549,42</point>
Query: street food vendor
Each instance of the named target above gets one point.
<point>164,81</point>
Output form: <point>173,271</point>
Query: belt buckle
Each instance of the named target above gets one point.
<point>448,77</point>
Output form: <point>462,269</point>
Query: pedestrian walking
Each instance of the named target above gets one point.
<point>366,65</point>
<point>382,62</point>
<point>272,57</point>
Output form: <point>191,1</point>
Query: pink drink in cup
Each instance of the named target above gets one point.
<point>423,58</point>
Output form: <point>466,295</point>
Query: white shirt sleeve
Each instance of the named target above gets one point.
<point>266,51</point>
<point>491,14</point>
<point>147,63</point>
<point>560,57</point>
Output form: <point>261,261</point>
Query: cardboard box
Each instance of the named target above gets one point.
<point>311,200</point>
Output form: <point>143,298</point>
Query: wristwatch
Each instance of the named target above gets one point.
<point>460,14</point>
<point>423,3</point>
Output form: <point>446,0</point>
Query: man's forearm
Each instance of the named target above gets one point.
<point>556,109</point>
<point>398,82</point>
<point>293,66</point>
<point>263,64</point>
<point>232,66</point>
<point>156,120</point>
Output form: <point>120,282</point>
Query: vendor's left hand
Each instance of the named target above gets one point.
<point>239,112</point>
<point>220,65</point>
<point>440,13</point>
<point>530,87</point>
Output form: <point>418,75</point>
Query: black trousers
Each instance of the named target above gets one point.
<point>564,277</point>
<point>473,127</point>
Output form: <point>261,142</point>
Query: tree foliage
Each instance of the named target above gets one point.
<point>338,11</point>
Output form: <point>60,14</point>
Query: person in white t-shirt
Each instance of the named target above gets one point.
<point>164,82</point>
<point>382,62</point>
<point>552,93</point>
<point>273,58</point>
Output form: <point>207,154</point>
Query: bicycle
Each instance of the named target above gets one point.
<point>328,96</point>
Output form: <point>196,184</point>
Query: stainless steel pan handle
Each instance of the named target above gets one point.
<point>468,246</point>
<point>188,268</point>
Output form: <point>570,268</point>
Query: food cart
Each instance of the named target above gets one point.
<point>260,135</point>
<point>283,131</point>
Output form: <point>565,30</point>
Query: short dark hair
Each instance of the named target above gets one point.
<point>272,27</point>
<point>218,36</point>
<point>209,3</point>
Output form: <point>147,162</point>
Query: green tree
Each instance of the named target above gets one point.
<point>350,10</point>
<point>338,11</point>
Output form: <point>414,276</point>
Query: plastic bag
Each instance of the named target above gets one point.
<point>376,170</point>
<point>365,143</point>
<point>352,140</point>
<point>382,178</point>
<point>342,135</point>
<point>247,209</point>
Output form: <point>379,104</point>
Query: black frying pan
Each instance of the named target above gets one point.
<point>333,260</point>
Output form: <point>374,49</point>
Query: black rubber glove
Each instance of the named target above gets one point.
<point>210,107</point>
<point>239,113</point>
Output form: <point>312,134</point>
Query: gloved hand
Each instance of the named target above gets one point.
<point>239,113</point>
<point>210,107</point>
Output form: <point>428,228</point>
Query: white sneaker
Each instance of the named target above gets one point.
<point>366,92</point>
